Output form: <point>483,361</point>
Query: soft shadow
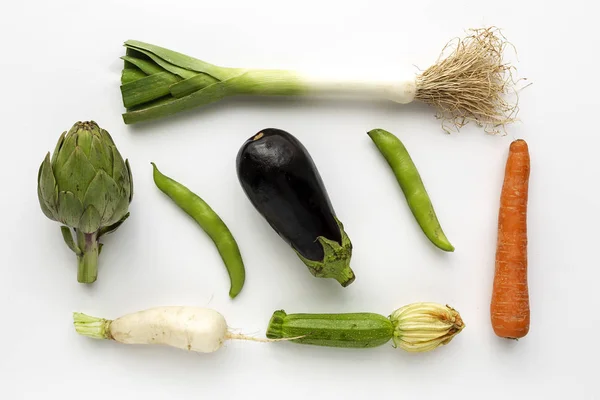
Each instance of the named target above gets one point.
<point>506,344</point>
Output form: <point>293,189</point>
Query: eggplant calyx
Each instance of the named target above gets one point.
<point>336,260</point>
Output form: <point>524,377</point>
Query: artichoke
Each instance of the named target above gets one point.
<point>86,186</point>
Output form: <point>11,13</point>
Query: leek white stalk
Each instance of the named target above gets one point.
<point>468,85</point>
<point>401,88</point>
<point>194,329</point>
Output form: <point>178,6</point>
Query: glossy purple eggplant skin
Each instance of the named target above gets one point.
<point>281,180</point>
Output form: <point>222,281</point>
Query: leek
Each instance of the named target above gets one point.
<point>468,85</point>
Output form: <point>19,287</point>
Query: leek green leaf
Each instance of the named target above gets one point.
<point>179,59</point>
<point>146,89</point>
<point>190,85</point>
<point>146,66</point>
<point>182,72</point>
<point>131,74</point>
<point>210,94</point>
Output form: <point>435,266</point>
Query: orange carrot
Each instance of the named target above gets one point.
<point>510,296</point>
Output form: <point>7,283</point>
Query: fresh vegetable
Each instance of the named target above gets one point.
<point>412,186</point>
<point>420,327</point>
<point>87,187</point>
<point>283,183</point>
<point>417,327</point>
<point>211,223</point>
<point>510,313</point>
<point>333,330</point>
<point>468,85</point>
<point>194,329</point>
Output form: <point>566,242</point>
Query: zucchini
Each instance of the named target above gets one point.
<point>350,330</point>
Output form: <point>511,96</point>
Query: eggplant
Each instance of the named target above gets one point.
<point>283,183</point>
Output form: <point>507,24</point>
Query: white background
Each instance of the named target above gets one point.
<point>60,64</point>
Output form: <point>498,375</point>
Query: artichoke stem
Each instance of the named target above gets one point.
<point>87,269</point>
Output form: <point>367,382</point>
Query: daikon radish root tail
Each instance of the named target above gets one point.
<point>510,312</point>
<point>237,336</point>
<point>470,83</point>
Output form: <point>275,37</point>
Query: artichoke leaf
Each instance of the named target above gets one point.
<point>120,210</point>
<point>96,194</point>
<point>47,184</point>
<point>69,209</point>
<point>66,149</point>
<point>59,144</point>
<point>130,180</point>
<point>84,137</point>
<point>119,172</point>
<point>68,237</point>
<point>45,209</point>
<point>90,220</point>
<point>106,195</point>
<point>110,229</point>
<point>100,156</point>
<point>55,211</point>
<point>76,174</point>
<point>50,209</point>
<point>106,137</point>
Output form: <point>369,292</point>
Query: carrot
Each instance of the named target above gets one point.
<point>510,296</point>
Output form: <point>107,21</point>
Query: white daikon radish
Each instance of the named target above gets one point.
<point>190,328</point>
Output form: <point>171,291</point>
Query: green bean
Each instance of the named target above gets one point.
<point>211,223</point>
<point>412,186</point>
